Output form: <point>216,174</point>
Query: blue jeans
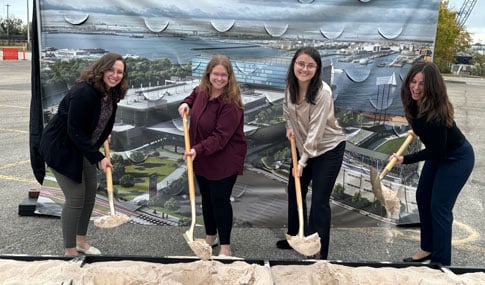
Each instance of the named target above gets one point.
<point>322,171</point>
<point>438,188</point>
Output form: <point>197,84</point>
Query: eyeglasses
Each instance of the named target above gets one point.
<point>223,75</point>
<point>309,66</point>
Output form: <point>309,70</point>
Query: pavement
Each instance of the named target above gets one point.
<point>41,235</point>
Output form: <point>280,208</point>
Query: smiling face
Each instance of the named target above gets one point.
<point>219,78</point>
<point>305,68</point>
<point>416,86</point>
<point>113,76</point>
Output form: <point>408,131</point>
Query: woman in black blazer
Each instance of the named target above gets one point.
<point>71,140</point>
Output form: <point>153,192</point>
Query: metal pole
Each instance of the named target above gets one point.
<point>8,26</point>
<point>28,25</point>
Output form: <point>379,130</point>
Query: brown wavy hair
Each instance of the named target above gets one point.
<point>231,92</point>
<point>94,73</point>
<point>435,105</point>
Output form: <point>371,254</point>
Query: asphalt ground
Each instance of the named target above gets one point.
<point>41,235</point>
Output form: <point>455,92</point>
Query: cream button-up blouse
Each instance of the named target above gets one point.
<point>315,127</point>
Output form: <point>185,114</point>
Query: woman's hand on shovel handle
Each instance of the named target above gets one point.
<point>104,164</point>
<point>399,158</point>
<point>411,133</point>
<point>183,108</point>
<point>289,134</point>
<point>298,171</point>
<point>190,153</point>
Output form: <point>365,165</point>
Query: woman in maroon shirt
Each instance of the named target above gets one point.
<point>218,145</point>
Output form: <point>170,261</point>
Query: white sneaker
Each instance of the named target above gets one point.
<point>91,250</point>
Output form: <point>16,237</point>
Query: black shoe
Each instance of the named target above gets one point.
<point>283,244</point>
<point>422,259</point>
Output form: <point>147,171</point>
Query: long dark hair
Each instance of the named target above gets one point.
<point>435,105</point>
<point>316,81</point>
<point>94,73</point>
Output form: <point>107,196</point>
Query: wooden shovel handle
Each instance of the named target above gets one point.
<point>299,200</point>
<point>190,168</point>
<point>393,161</point>
<point>294,158</point>
<point>109,179</point>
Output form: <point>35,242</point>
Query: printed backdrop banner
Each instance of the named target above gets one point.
<point>366,48</point>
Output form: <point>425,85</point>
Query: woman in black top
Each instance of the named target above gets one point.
<point>448,159</point>
<point>71,140</point>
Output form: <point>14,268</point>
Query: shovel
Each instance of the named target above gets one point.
<point>112,220</point>
<point>309,245</point>
<point>386,196</point>
<point>201,248</point>
<point>393,161</point>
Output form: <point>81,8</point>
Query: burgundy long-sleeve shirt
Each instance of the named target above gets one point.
<point>217,135</point>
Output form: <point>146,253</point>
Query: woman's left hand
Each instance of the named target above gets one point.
<point>298,172</point>
<point>399,158</point>
<point>190,153</point>
<point>289,134</point>
<point>104,164</point>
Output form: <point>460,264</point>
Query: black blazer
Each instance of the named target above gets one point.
<point>67,136</point>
